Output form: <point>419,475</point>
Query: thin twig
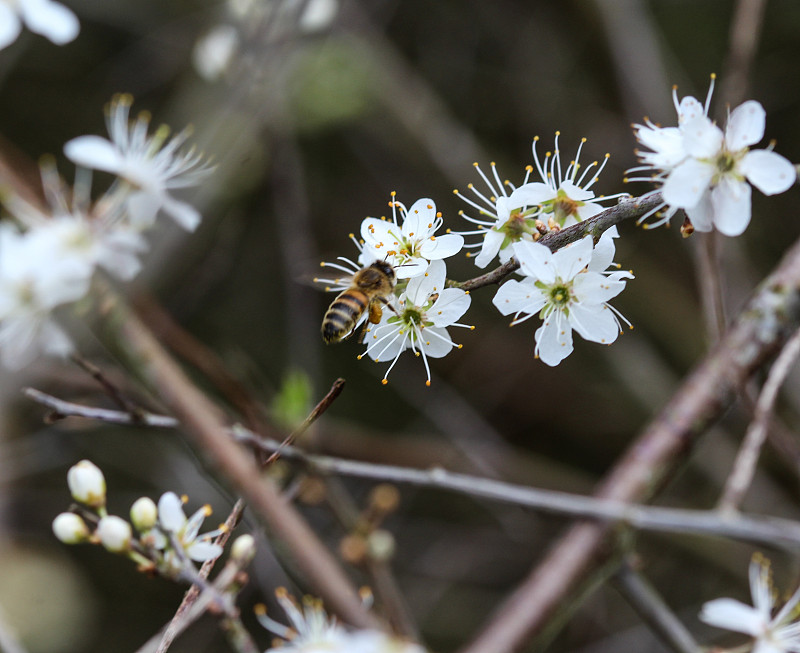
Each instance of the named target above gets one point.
<point>744,466</point>
<point>626,210</point>
<point>321,407</point>
<point>110,388</point>
<point>765,531</point>
<point>653,610</point>
<point>193,593</point>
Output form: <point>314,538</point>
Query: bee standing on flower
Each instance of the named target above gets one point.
<point>371,286</point>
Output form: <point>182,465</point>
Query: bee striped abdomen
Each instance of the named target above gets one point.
<point>343,315</point>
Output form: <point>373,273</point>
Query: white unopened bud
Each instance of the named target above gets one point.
<point>70,528</point>
<point>114,534</point>
<point>144,514</point>
<point>87,484</point>
<point>243,549</point>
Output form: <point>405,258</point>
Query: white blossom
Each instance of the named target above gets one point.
<point>172,520</point>
<point>512,216</point>
<point>411,245</point>
<point>311,629</point>
<point>771,634</point>
<point>706,171</point>
<point>418,320</point>
<point>153,165</point>
<point>50,19</point>
<point>568,290</point>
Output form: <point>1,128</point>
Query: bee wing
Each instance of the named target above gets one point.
<point>326,280</point>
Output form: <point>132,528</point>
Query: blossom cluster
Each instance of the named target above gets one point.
<point>49,254</point>
<point>167,542</point>
<point>568,290</point>
<point>705,171</point>
<point>312,629</point>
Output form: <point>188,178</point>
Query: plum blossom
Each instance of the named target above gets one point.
<point>771,634</point>
<point>418,320</point>
<point>152,165</point>
<point>568,290</point>
<point>173,521</point>
<point>411,245</point>
<point>705,170</point>
<point>50,19</point>
<point>512,216</point>
<point>562,198</point>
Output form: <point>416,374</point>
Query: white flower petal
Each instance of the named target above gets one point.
<point>535,260</point>
<point>702,213</point>
<point>491,246</point>
<point>554,339</point>
<point>734,615</point>
<point>439,247</point>
<point>745,125</point>
<point>702,138</point>
<point>593,288</point>
<point>531,194</point>
<point>576,192</point>
<point>731,202</point>
<point>519,297</point>
<point>436,342</point>
<point>201,551</point>
<point>604,250</point>
<point>410,269</point>
<point>10,25</point>
<point>449,307</point>
<point>50,19</point>
<point>421,287</point>
<point>420,219</point>
<point>686,184</point>
<point>570,260</point>
<point>94,152</point>
<point>768,171</point>
<point>594,323</point>
<point>689,109</point>
<point>170,512</point>
<point>183,213</point>
<point>385,342</point>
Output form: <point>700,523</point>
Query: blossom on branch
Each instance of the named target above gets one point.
<point>568,290</point>
<point>561,199</point>
<point>706,171</point>
<point>418,320</point>
<point>771,634</point>
<point>411,245</point>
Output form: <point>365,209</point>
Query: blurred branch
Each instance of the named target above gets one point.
<point>202,421</point>
<point>748,18</point>
<point>745,465</point>
<point>653,610</point>
<point>761,329</point>
<point>628,209</point>
<point>767,531</point>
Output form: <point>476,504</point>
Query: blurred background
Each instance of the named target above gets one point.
<point>314,111</point>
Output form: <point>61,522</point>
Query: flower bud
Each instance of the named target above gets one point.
<point>144,514</point>
<point>70,528</point>
<point>87,484</point>
<point>243,549</point>
<point>114,534</point>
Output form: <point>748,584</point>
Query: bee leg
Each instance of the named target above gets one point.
<point>389,306</point>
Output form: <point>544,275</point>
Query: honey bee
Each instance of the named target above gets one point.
<point>370,287</point>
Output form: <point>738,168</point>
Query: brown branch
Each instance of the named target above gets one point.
<point>204,424</point>
<point>756,335</point>
<point>626,210</point>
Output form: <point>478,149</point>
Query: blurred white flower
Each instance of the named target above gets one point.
<point>172,520</point>
<point>568,290</point>
<point>409,247</point>
<point>311,629</point>
<point>153,165</point>
<point>778,634</point>
<point>50,19</point>
<point>419,320</point>
<point>213,52</point>
<point>34,280</point>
